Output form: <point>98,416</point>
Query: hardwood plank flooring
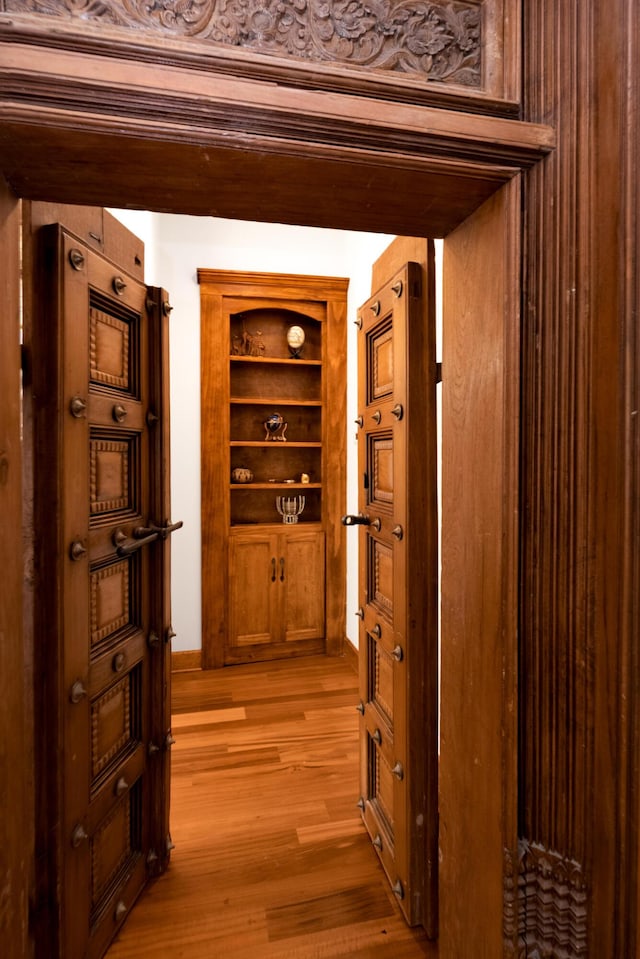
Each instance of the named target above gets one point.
<point>271,860</point>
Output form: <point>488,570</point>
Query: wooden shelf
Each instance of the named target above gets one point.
<point>281,360</point>
<point>280,484</point>
<point>274,445</point>
<point>261,401</point>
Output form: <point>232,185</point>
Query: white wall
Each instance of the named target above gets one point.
<point>175,246</point>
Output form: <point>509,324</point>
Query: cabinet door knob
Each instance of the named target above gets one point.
<point>282,569</point>
<point>273,569</point>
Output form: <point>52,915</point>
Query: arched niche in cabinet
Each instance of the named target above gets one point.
<point>273,387</point>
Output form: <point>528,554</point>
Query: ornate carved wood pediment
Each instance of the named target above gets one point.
<point>437,40</point>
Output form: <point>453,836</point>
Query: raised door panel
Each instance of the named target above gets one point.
<point>398,586</point>
<point>303,581</point>
<point>253,574</point>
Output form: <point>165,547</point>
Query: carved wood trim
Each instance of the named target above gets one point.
<point>121,449</point>
<point>180,105</point>
<point>556,640</point>
<point>117,698</point>
<point>500,99</point>
<point>460,43</point>
<point>553,904</point>
<point>580,733</point>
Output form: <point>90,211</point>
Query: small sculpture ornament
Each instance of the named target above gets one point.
<point>275,427</point>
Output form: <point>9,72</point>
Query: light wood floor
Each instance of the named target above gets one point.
<point>271,860</point>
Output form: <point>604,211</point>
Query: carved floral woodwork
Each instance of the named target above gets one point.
<point>439,40</point>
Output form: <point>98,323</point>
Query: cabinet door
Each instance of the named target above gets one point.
<point>301,573</point>
<point>253,590</point>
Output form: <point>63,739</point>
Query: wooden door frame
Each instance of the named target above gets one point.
<point>453,169</point>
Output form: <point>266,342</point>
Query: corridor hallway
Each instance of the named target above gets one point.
<point>271,860</point>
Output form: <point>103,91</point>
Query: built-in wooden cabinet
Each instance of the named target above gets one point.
<point>273,447</point>
<point>277,586</point>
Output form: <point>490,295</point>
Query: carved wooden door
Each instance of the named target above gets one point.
<point>398,586</point>
<point>106,336</point>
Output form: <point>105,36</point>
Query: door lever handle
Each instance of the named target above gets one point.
<point>161,531</point>
<point>127,547</point>
<point>142,536</point>
<point>359,520</point>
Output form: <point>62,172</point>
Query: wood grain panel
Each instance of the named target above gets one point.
<point>109,350</point>
<point>380,360</point>
<point>109,475</point>
<point>580,479</point>
<point>381,680</point>
<point>253,602</point>
<point>111,605</point>
<point>381,479</point>
<point>110,849</point>
<point>111,724</point>
<point>478,760</point>
<point>304,603</point>
<point>381,572</point>
<point>16,830</point>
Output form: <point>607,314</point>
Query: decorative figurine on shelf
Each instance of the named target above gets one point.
<point>242,474</point>
<point>248,344</point>
<point>304,477</point>
<point>275,427</point>
<point>295,340</point>
<point>290,507</point>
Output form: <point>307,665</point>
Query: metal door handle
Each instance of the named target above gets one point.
<point>359,520</point>
<point>126,548</point>
<point>273,569</point>
<point>142,536</point>
<point>282,569</point>
<point>162,531</point>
